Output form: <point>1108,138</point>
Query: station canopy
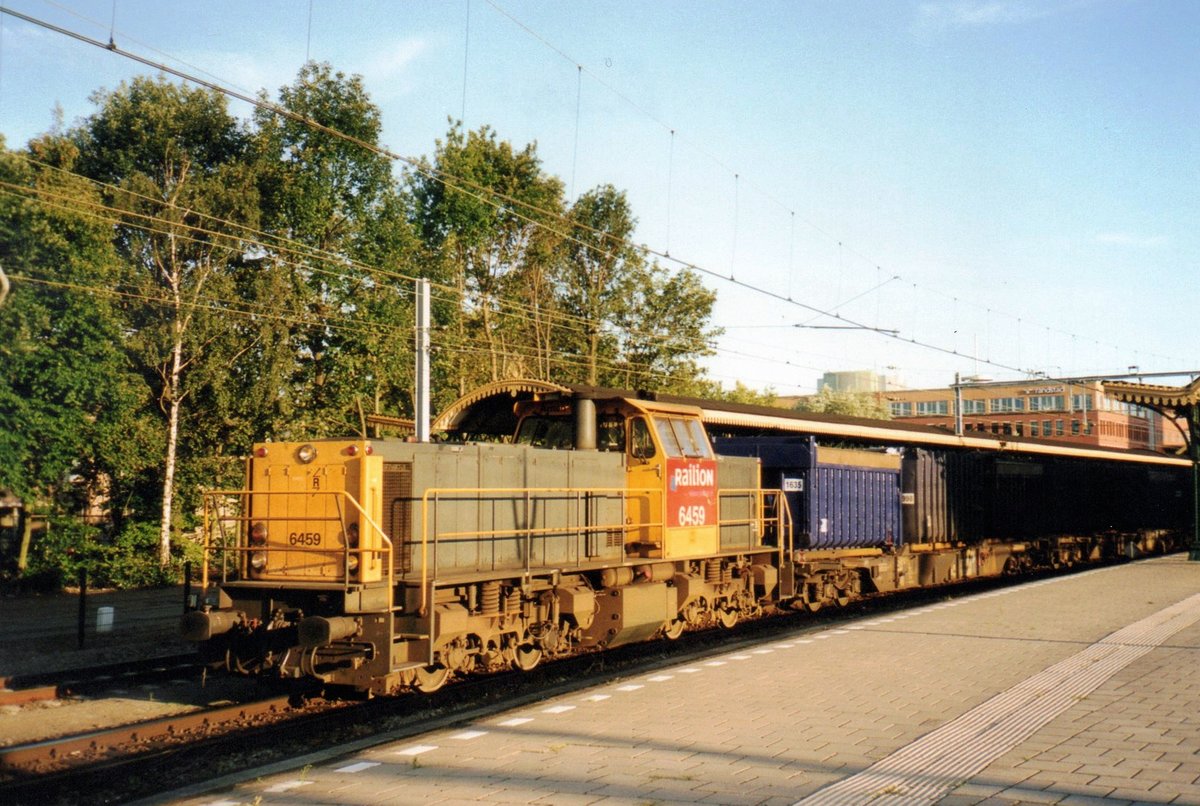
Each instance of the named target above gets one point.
<point>1162,397</point>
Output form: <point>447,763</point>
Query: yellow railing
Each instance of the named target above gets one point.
<point>756,520</point>
<point>228,517</point>
<point>227,513</point>
<point>529,498</point>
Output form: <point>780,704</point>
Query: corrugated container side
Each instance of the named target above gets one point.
<point>849,500</point>
<point>854,507</point>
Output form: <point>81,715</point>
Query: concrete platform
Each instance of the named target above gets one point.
<point>1078,689</point>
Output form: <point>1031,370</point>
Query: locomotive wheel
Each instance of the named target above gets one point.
<point>727,618</point>
<point>430,678</point>
<point>813,605</point>
<point>674,629</point>
<point>527,657</point>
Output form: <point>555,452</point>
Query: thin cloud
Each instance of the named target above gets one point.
<point>1129,239</point>
<point>393,61</point>
<point>956,14</point>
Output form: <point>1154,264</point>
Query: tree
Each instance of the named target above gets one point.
<point>666,332</point>
<point>488,217</point>
<point>599,273</point>
<point>851,404</point>
<point>336,209</point>
<point>73,423</point>
<point>174,163</point>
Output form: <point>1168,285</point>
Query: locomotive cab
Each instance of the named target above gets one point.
<point>670,468</point>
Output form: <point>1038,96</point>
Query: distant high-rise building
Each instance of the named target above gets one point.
<point>855,381</point>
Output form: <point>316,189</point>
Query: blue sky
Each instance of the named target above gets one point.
<point>1017,181</point>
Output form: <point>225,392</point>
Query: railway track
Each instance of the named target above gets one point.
<point>194,749</point>
<point>28,688</point>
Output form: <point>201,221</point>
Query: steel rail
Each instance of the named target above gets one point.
<point>49,755</point>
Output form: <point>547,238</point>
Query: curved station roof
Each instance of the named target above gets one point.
<point>489,412</point>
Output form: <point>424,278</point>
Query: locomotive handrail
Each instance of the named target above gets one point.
<point>527,493</point>
<point>244,516</point>
<point>436,495</point>
<point>782,519</point>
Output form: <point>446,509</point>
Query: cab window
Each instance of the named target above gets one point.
<point>668,437</point>
<point>641,443</point>
<point>610,434</point>
<point>699,439</point>
<point>680,439</point>
<point>546,432</point>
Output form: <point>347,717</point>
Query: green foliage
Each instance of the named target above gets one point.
<point>740,393</point>
<point>129,560</point>
<point>72,404</point>
<point>345,219</point>
<point>480,230</point>
<point>851,404</point>
<point>186,284</point>
<point>667,332</point>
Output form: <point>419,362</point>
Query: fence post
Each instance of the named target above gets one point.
<point>187,585</point>
<point>82,605</point>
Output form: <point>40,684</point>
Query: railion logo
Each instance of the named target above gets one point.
<point>692,476</point>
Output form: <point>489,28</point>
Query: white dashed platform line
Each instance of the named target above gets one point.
<point>418,749</point>
<point>359,767</point>
<point>286,786</point>
<point>926,770</point>
<point>630,687</point>
<point>661,678</point>
<point>516,720</point>
<point>597,697</point>
<point>558,709</point>
<point>468,735</point>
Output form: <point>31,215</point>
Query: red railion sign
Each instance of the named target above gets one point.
<point>691,492</point>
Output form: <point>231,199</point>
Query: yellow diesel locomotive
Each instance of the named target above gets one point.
<point>383,564</point>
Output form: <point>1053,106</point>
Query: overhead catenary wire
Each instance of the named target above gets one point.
<point>699,148</point>
<point>461,185</point>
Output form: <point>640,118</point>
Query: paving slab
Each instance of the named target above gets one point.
<point>1074,689</point>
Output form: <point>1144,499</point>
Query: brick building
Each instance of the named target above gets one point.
<point>1069,410</point>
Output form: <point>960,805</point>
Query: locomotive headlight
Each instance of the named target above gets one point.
<point>306,453</point>
<point>352,562</point>
<point>258,534</point>
<point>258,560</point>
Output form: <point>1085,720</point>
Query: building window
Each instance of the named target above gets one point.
<point>901,409</point>
<point>1058,428</point>
<point>930,408</point>
<point>1018,429</point>
<point>974,406</point>
<point>1047,403</point>
<point>1074,428</point>
<point>1081,402</point>
<point>1034,430</point>
<point>1006,404</point>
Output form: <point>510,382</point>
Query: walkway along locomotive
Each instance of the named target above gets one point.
<point>381,564</point>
